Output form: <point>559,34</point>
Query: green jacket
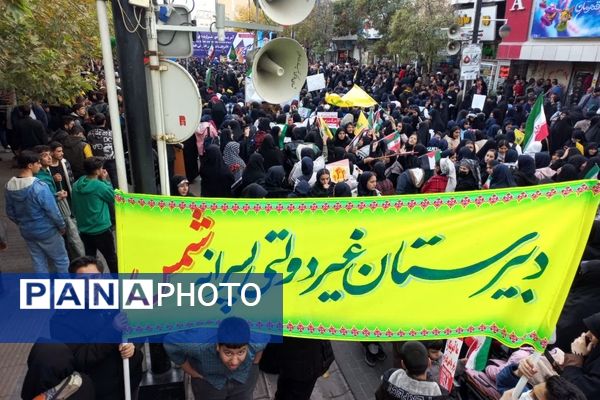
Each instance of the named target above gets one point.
<point>45,176</point>
<point>91,199</point>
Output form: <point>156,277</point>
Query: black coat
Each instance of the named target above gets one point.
<point>102,362</point>
<point>298,359</point>
<point>30,133</point>
<point>586,378</point>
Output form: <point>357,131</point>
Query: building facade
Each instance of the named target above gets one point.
<point>554,39</point>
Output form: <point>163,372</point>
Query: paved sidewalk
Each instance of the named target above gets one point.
<point>13,357</point>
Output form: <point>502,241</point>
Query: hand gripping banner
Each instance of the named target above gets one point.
<point>497,263</point>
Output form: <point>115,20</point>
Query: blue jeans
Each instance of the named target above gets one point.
<point>51,248</point>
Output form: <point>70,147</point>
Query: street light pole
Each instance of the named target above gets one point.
<point>476,18</point>
<point>474,39</point>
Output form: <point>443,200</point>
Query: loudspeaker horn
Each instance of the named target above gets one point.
<point>454,31</point>
<point>279,70</point>
<point>287,12</point>
<point>453,47</point>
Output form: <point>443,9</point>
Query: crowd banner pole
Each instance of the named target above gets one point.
<point>523,381</point>
<point>111,89</point>
<point>159,124</point>
<point>126,379</point>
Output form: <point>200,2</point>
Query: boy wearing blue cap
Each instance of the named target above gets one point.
<point>228,371</point>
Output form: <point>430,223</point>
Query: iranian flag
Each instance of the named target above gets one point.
<point>536,128</point>
<point>393,142</point>
<point>211,52</point>
<point>593,173</point>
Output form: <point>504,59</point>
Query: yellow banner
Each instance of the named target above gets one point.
<point>356,97</point>
<point>497,263</point>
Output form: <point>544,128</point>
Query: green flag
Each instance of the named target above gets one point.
<point>232,55</point>
<point>208,76</point>
<point>593,173</point>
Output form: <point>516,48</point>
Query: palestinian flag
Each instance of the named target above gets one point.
<point>429,160</point>
<point>593,173</point>
<point>536,128</point>
<point>371,119</point>
<point>231,55</point>
<point>393,142</point>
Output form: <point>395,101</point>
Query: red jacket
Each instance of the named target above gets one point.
<point>436,184</point>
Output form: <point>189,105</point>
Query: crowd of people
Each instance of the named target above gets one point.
<point>62,199</point>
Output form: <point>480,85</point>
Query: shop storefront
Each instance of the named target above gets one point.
<point>552,40</point>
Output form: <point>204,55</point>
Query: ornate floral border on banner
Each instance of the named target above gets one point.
<point>406,202</point>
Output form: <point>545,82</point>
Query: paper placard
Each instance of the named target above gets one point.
<point>330,118</point>
<point>478,101</point>
<point>449,363</point>
<point>315,82</point>
<point>339,170</point>
<point>304,112</point>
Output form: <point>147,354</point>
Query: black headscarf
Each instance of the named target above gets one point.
<point>466,153</point>
<point>307,169</point>
<point>542,159</point>
<point>338,142</point>
<point>577,161</point>
<point>469,181</point>
<point>175,181</point>
<point>511,156</point>
<point>560,133</point>
<point>362,184</point>
<point>567,173</point>
<point>235,128</point>
<point>274,182</point>
<point>501,177</point>
<point>588,147</point>
<point>275,177</point>
<point>379,170</point>
<point>254,191</point>
<point>255,170</point>
<point>341,189</point>
<point>592,323</point>
<point>338,153</point>
<point>302,189</point>
<point>525,173</point>
<point>216,176</point>
<point>270,152</point>
<point>318,190</point>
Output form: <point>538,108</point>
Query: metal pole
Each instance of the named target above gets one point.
<point>126,379</point>
<point>159,123</point>
<point>474,40</point>
<point>476,18</point>
<point>130,50</point>
<point>111,88</point>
